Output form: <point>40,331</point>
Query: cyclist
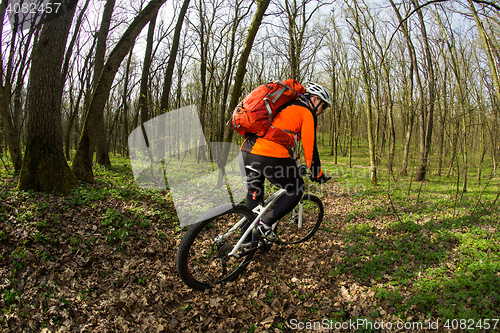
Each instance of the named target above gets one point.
<point>266,159</point>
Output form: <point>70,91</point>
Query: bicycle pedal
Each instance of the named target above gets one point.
<point>265,246</point>
<point>261,234</point>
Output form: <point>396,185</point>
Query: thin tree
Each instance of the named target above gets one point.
<point>83,75</point>
<point>443,116</point>
<point>337,67</point>
<point>389,102</point>
<point>426,113</point>
<point>98,140</point>
<point>12,139</point>
<point>229,68</point>
<point>245,54</point>
<point>356,26</point>
<point>301,46</point>
<point>144,89</point>
<point>491,51</point>
<point>413,73</point>
<point>165,97</point>
<point>82,164</point>
<point>240,75</point>
<point>462,104</point>
<point>69,50</point>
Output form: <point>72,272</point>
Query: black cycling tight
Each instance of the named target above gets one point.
<point>282,172</point>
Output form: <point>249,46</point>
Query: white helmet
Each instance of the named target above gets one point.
<point>318,90</point>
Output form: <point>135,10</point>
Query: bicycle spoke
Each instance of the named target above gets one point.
<point>202,261</point>
<point>294,229</point>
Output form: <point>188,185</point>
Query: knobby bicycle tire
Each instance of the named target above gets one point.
<point>202,262</point>
<point>288,230</point>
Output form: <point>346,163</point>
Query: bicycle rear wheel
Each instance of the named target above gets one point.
<point>203,261</point>
<point>292,230</point>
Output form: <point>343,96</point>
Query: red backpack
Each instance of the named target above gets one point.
<point>256,111</point>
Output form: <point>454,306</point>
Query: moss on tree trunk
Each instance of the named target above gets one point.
<point>44,167</point>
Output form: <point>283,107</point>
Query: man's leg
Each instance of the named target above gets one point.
<point>253,179</point>
<point>281,172</point>
<point>286,176</point>
<point>254,183</point>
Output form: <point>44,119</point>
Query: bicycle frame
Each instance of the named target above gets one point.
<point>260,210</point>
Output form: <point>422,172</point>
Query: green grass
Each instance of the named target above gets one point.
<point>44,223</point>
<point>427,248</point>
<point>423,248</point>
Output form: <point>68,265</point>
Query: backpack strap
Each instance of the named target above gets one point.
<point>299,101</point>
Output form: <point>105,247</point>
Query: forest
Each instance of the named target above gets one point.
<point>412,140</point>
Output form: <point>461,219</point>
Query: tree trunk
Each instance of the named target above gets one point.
<point>44,166</point>
<point>82,165</point>
<point>454,144</point>
<point>369,119</point>
<point>482,149</point>
<point>389,104</point>
<point>229,71</point>
<point>368,95</point>
<point>392,130</point>
<point>76,34</point>
<point>98,140</point>
<point>125,96</point>
<point>444,113</point>
<point>413,71</point>
<point>204,37</point>
<point>241,70</point>
<point>240,74</point>
<point>292,32</point>
<point>487,44</point>
<point>11,136</point>
<point>426,126</point>
<point>351,130</point>
<point>488,48</point>
<point>74,114</point>
<point>165,97</point>
<point>462,109</point>
<point>180,74</point>
<point>144,91</point>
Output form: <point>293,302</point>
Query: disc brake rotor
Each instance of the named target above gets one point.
<point>224,250</point>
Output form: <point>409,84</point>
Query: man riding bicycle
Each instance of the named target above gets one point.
<point>264,158</point>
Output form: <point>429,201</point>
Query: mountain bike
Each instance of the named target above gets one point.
<point>214,249</point>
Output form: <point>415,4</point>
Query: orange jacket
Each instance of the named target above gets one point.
<point>296,118</point>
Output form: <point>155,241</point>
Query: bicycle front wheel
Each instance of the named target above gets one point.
<point>202,258</point>
<point>302,222</point>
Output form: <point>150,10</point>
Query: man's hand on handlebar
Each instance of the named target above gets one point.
<point>321,179</point>
<point>304,171</point>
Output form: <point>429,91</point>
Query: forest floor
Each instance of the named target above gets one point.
<point>103,260</point>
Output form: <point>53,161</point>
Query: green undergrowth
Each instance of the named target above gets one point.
<point>425,248</point>
<point>37,229</point>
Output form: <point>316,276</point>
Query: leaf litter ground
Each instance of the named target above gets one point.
<point>103,259</point>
